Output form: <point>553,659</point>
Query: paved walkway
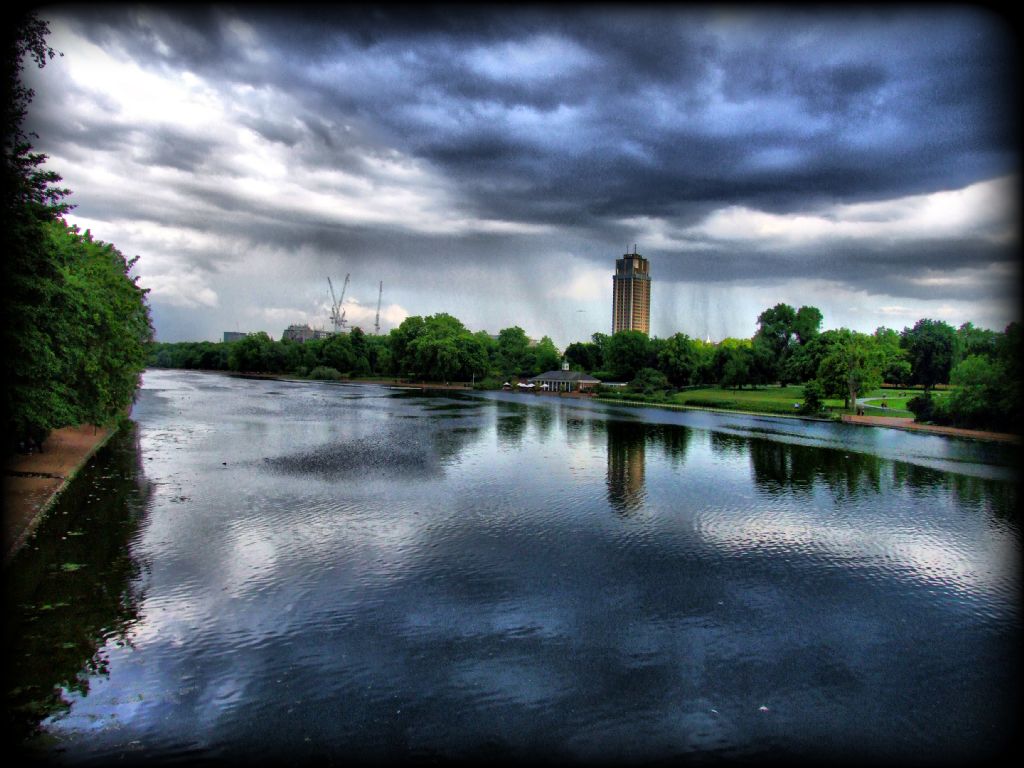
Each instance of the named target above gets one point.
<point>33,481</point>
<point>911,425</point>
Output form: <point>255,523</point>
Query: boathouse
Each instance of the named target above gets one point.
<point>565,380</point>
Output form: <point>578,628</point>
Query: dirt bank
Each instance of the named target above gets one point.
<point>32,482</point>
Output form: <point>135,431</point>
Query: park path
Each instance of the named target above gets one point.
<point>33,481</point>
<point>911,425</point>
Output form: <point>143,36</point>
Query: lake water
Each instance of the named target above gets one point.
<point>259,569</point>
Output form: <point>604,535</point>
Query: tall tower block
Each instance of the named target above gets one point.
<point>631,294</point>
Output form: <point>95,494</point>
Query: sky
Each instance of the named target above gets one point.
<point>493,163</point>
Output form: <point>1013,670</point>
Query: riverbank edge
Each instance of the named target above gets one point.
<point>932,429</point>
<point>907,425</point>
<point>24,507</point>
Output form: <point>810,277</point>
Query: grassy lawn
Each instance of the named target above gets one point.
<point>762,399</point>
<point>772,399</point>
<point>780,400</point>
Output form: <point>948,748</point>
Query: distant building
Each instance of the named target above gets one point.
<point>631,294</point>
<point>234,335</point>
<point>298,333</point>
<point>565,380</point>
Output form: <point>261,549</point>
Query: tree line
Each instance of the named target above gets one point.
<point>789,347</point>
<point>437,348</point>
<point>76,325</point>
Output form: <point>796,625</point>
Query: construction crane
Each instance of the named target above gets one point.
<point>376,323</point>
<point>337,313</point>
<point>341,320</point>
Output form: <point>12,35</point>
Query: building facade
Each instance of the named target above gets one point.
<point>631,294</point>
<point>297,333</point>
<point>565,381</point>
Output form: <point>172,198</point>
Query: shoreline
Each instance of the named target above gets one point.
<point>934,429</point>
<point>888,422</point>
<point>34,482</point>
<point>906,424</point>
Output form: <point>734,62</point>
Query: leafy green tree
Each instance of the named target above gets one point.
<point>704,361</point>
<point>337,352</point>
<point>95,341</point>
<point>807,324</point>
<point>324,373</point>
<point>514,356</point>
<point>546,356</point>
<point>853,364</point>
<point>1010,354</point>
<point>805,360</point>
<point>763,367</point>
<point>649,381</point>
<point>445,350</point>
<point>31,279</point>
<point>931,347</point>
<point>250,354</point>
<point>584,356</point>
<point>731,363</point>
<point>627,353</point>
<point>400,339</point>
<point>76,325</point>
<point>776,330</point>
<point>971,340</point>
<point>784,330</point>
<point>677,359</point>
<point>814,397</point>
<point>378,354</point>
<point>895,366</point>
<point>978,387</point>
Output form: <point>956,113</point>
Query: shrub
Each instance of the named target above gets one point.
<point>490,382</point>
<point>649,381</point>
<point>814,396</point>
<point>325,373</point>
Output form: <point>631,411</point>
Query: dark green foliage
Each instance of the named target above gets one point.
<point>80,359</point>
<point>677,358</point>
<point>546,357</point>
<point>923,407</point>
<point>814,396</point>
<point>324,373</point>
<point>851,366</point>
<point>649,381</point>
<point>975,341</point>
<point>931,348</point>
<point>584,356</point>
<point>195,355</point>
<point>513,352</point>
<point>782,331</point>
<point>627,352</point>
<point>896,367</point>
<point>731,363</point>
<point>986,389</point>
<point>807,324</point>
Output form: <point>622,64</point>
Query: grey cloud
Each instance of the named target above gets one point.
<point>673,113</point>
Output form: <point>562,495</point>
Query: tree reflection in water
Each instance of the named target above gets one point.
<point>73,589</point>
<point>783,468</point>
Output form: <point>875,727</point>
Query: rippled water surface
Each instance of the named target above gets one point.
<point>264,568</point>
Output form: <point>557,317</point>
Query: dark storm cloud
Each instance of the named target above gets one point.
<point>944,95</point>
<point>175,149</point>
<point>578,125</point>
<point>895,269</point>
